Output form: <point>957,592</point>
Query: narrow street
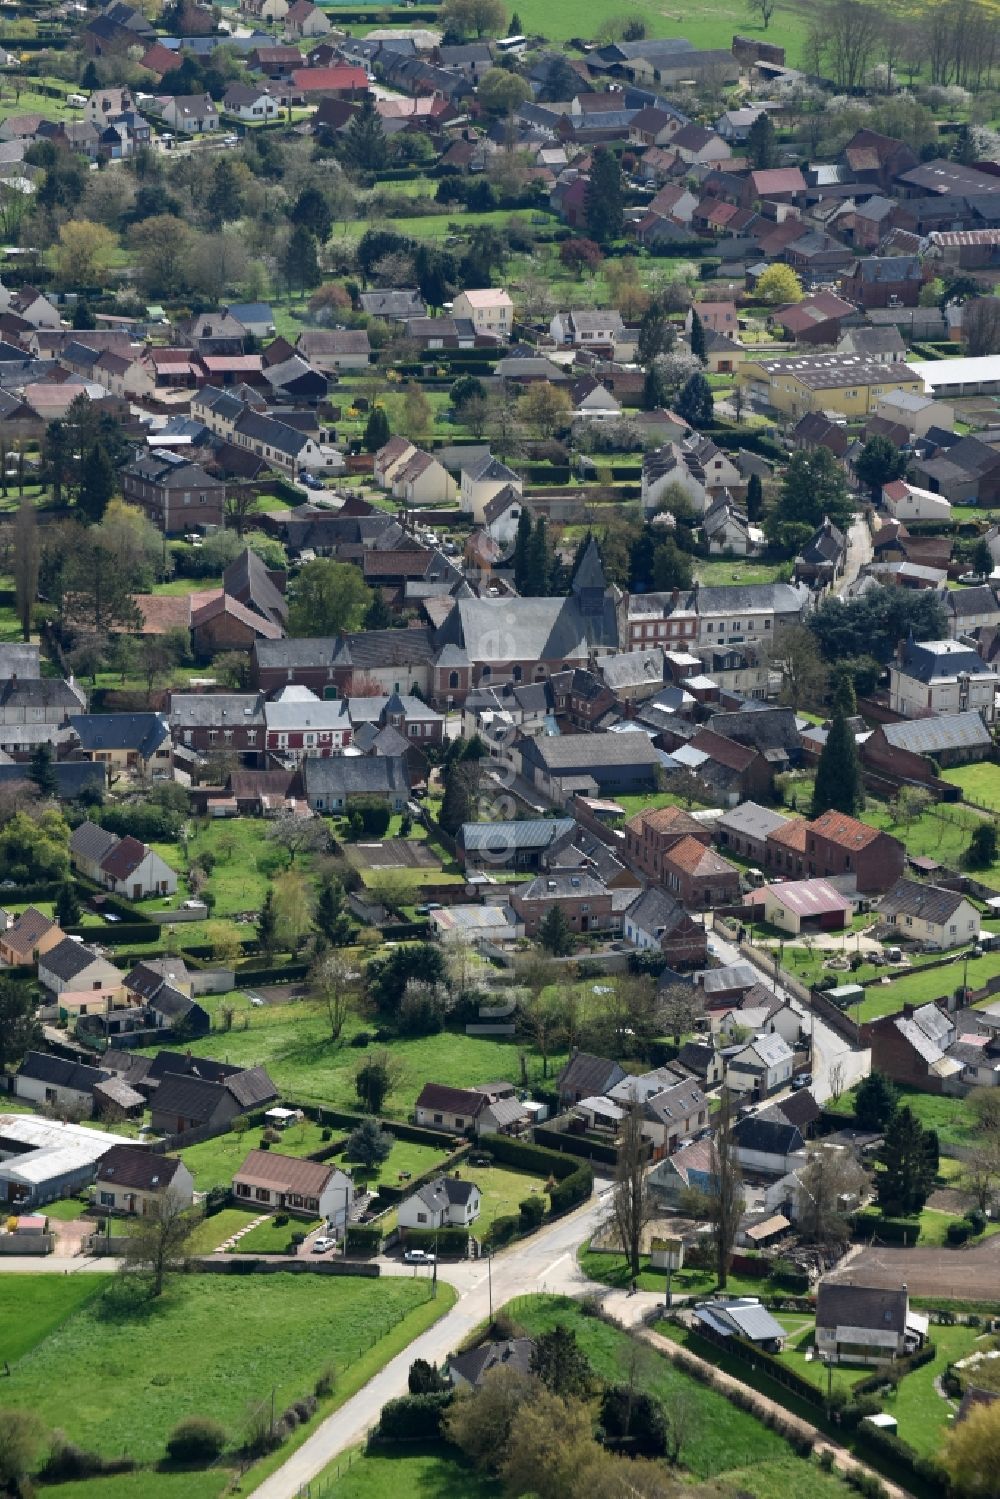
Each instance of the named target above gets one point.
<point>859,551</point>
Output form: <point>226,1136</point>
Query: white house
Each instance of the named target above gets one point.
<point>768,1144</point>
<point>928,914</point>
<point>941,676</point>
<point>286,1183</point>
<point>136,871</point>
<point>193,114</point>
<point>906,502</point>
<point>447,1202</point>
<point>132,1179</point>
<point>601,326</point>
<point>501,515</point>
<point>58,1083</point>
<point>763,1065</point>
<point>74,966</point>
<point>490,310</point>
<point>250,102</point>
<point>728,532</point>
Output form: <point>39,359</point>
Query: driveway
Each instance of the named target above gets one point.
<point>859,552</point>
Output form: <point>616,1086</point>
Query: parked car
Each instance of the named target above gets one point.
<point>418,1257</point>
<point>322,1244</point>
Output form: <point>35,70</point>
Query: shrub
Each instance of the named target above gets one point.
<point>196,1439</point>
<point>326,1382</point>
<point>504,1228</point>
<point>326,1134</point>
<point>361,1039</point>
<point>532,1211</point>
<point>825,1459</point>
<point>67,1462</point>
<point>280,1219</point>
<point>413,1418</point>
<point>959,1232</point>
<point>977,1220</point>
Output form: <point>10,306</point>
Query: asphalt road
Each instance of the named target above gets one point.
<point>859,551</point>
<point>545,1262</point>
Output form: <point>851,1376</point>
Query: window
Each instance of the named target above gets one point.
<point>438,1118</point>
<point>107,1199</point>
<point>421,1217</point>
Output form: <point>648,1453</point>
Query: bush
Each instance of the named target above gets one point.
<point>361,1039</point>
<point>977,1220</point>
<point>365,1238</point>
<point>870,1224</point>
<point>959,1232</point>
<point>413,1418</point>
<point>196,1439</point>
<point>326,1382</point>
<point>532,1211</point>
<point>504,1228</point>
<point>448,1241</point>
<point>67,1462</point>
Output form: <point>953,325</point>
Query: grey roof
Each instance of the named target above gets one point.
<point>569,752</point>
<point>476,1363</point>
<point>929,902</point>
<point>749,819</point>
<point>746,1318</point>
<point>352,775</point>
<point>560,883</point>
<point>202,709</point>
<point>769,1133</point>
<point>928,736</point>
<point>92,842</point>
<point>631,668</point>
<point>251,1086</point>
<point>764,728</point>
<point>69,958</point>
<point>587,1074</point>
<point>731,976</point>
<point>172,1003</point>
<point>61,1073</point>
<point>142,732</point>
<point>188,1097</point>
<point>841,1305</point>
<point>656,912</point>
<point>136,1167</point>
<point>506,837</point>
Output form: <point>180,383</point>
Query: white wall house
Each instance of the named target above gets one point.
<point>448,1202</point>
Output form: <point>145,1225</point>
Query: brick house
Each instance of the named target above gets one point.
<point>836,844</point>
<point>228,720</point>
<point>584,901</point>
<point>912,1048</point>
<point>650,834</point>
<point>175,494</point>
<point>909,751</point>
<point>698,876</point>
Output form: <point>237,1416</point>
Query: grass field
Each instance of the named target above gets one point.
<point>293,1042</point>
<point>119,1378</point>
<point>723,571</point>
<point>211,1232</point>
<point>951,1117</point>
<point>980,783</point>
<point>612,1270</point>
<point>28,1318</point>
<point>801,1331</point>
<point>922,1413</point>
<point>703,24</point>
<point>275,1238</point>
<point>434,1473</point>
<point>213,1163</point>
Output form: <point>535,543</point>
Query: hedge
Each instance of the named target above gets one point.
<point>529,1157</point>
<point>573,1189</point>
<point>414,1133</point>
<point>589,1150</point>
<point>285,974</point>
<point>870,1224</point>
<point>447,1241</point>
<point>364,1237</point>
<point>896,1371</point>
<point>412,1418</point>
<point>898,1459</point>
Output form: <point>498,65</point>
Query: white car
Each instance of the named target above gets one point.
<point>418,1257</point>
<point>321,1245</point>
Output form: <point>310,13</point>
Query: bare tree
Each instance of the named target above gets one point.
<point>158,1245</point>
<point>683,1421</point>
<point>981,326</point>
<point>724,1200</point>
<point>26,555</point>
<point>240,502</point>
<point>678,1007</point>
<point>689,787</point>
<point>833,1182</point>
<point>835,1076</point>
<point>333,982</point>
<point>804,674</point>
<point>981,1174</point>
<point>299,835</point>
<point>630,1204</point>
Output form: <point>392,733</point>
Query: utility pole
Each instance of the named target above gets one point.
<point>489,1277</point>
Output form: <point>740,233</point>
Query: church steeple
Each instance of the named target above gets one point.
<point>589,581</point>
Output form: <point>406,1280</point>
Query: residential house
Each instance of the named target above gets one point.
<point>490,310</point>
<point>823,557</point>
<point>73,966</point>
<point>941,676</point>
<point>585,903</point>
<point>906,502</point>
<point>884,281</point>
<point>699,877</point>
<point>655,921</point>
<point>468,1370</point>
<point>798,905</point>
<point>445,1202</point>
<point>651,833</point>
<point>563,764</point>
<point>744,829</point>
<point>835,844</point>
<point>698,146</point>
<point>193,114</point>
<point>331,784</point>
<point>288,1184</point>
<point>335,349</point>
<point>303,19</point>
<point>136,871</point>
<point>873,1326</point>
<point>765,1142</point>
<point>187,1102</point>
<point>24,938</point>
<point>125,742</point>
<point>132,1180</point>
<point>485,477</point>
<point>251,101</point>
<point>587,329</point>
<point>689,1169</point>
<point>761,1067</point>
<point>57,1083</point>
<point>928,915</point>
<point>916,1048</point>
<point>298,724</point>
<point>464,1111</point>
<point>586,1075</point>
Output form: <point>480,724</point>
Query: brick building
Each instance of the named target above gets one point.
<point>651,833</point>
<point>698,876</point>
<point>584,901</point>
<point>175,494</point>
<point>835,844</point>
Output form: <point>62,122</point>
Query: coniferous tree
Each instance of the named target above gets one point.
<point>376,429</point>
<point>41,770</point>
<point>697,336</point>
<point>695,403</point>
<point>378,615</point>
<point>536,582</point>
<point>838,785</point>
<point>875,1101</point>
<point>300,262</point>
<point>456,805</point>
<point>267,926</point>
<point>67,905</point>
<point>522,542</point>
<point>555,933</point>
<point>365,145</point>
<point>603,202</point>
<point>97,482</point>
<point>762,148</point>
<point>909,1161</point>
<point>755,497</point>
<point>331,918</point>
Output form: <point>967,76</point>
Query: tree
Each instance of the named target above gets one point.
<point>813,489</point>
<point>376,430</point>
<point>964,150</point>
<point>603,202</point>
<point>875,1102</point>
<point>560,1363</point>
<point>300,262</point>
<point>696,404</point>
<point>389,976</point>
<point>83,253</point>
<point>909,1163</point>
<point>522,541</point>
<point>333,983</point>
<point>910,804</point>
<point>722,1202</point>
<point>97,482</point>
<point>545,408</point>
<point>762,148</point>
<point>982,558</point>
<point>580,255</point>
<point>474,17</point>
<point>267,926</point>
<point>369,1144</point>
<point>157,1246</point>
<point>679,1006</point>
<point>839,786</point>
<point>634,1415</point>
<point>327,598</point>
<point>365,145</point>
<point>804,675</point>
<point>501,92</point>
<point>539,561</point>
<point>67,905</point>
<point>293,909</point>
<point>764,9</point>
<point>778,286</point>
<point>630,1202</point>
<point>41,770</point>
<point>197,1441</point>
<point>375,1079</point>
<point>832,1184</point>
<point>657,336</point>
<point>982,849</point>
<point>971,1453</point>
<point>479,1422</point>
<point>332,920</point>
<point>555,933</point>
<point>981,326</point>
<point>299,835</point>
<point>57,453</point>
<point>311,209</point>
<point>34,847</point>
<point>426,1379</point>
<point>696,338</point>
<point>878,464</point>
<point>549,1440</point>
<point>26,558</point>
<point>20,1030</point>
<point>755,498</point>
<point>981,1173</point>
<point>20,1443</point>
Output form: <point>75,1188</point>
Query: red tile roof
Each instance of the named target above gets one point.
<point>126,856</point>
<point>328,80</point>
<point>666,820</point>
<point>846,831</point>
<point>792,835</point>
<point>691,857</point>
<point>724,751</point>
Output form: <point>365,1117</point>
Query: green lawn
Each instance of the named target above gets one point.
<point>502,1191</point>
<point>923,1414</point>
<point>942,833</point>
<point>214,1163</point>
<point>147,1483</point>
<point>275,1238</point>
<point>119,1378</point>
<point>703,24</point>
<point>612,1270</point>
<point>405,1156</point>
<point>245,863</point>
<point>67,1211</point>
<point>213,1231</point>
<point>801,1332</point>
<point>28,1315</point>
<point>980,783</point>
<point>723,571</point>
<point>293,1042</point>
<point>725,1437</point>
<point>951,1117</point>
<point>434,1473</point>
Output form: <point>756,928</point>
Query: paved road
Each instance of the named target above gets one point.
<point>546,1262</point>
<point>56,1264</point>
<point>859,551</point>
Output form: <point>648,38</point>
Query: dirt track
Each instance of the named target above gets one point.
<point>955,1274</point>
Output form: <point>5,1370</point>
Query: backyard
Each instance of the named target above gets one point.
<point>951,1117</point>
<point>980,784</point>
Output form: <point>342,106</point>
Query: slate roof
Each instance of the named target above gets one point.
<point>476,1363</point>
<point>767,1134</point>
<point>251,1086</point>
<point>928,902</point>
<point>657,913</point>
<point>58,1072</point>
<point>749,819</point>
<point>568,752</point>
<point>351,775</point>
<point>142,732</point>
<point>843,1305</point>
<point>589,1075</point>
<point>24,934</point>
<point>440,1097</point>
<point>945,731</point>
<point>506,837</point>
<point>137,1168</point>
<point>191,1098</point>
<point>68,958</point>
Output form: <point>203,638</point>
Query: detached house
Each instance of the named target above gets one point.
<point>193,114</point>
<point>866,1325</point>
<point>72,966</point>
<point>315,1189</point>
<point>491,311</point>
<point>929,915</point>
<point>465,1111</point>
<point>132,1180</point>
<point>24,938</point>
<point>446,1202</point>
